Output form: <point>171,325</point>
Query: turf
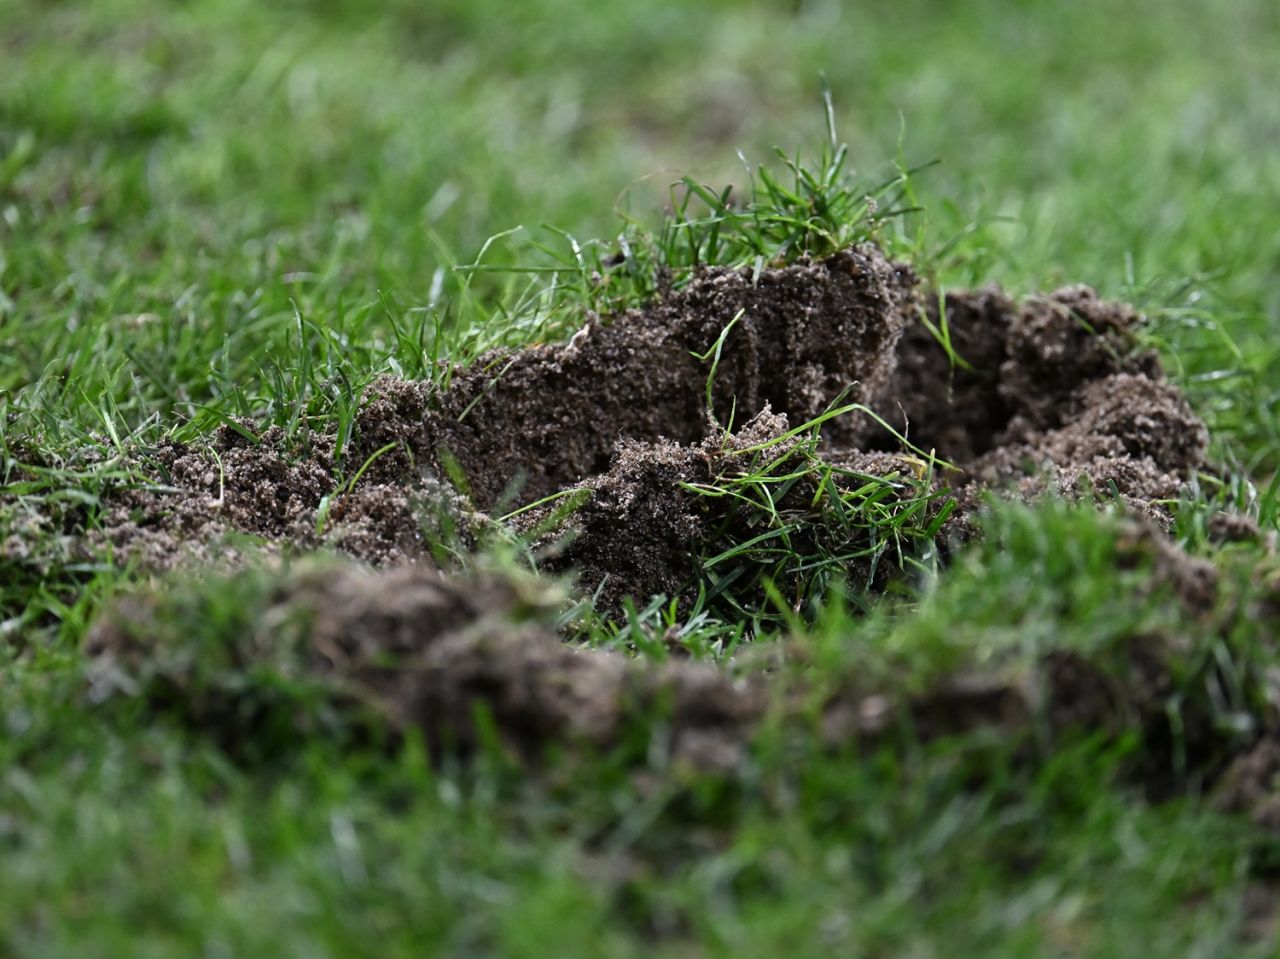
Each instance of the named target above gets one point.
<point>225,210</point>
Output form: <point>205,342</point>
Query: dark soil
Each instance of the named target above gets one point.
<point>555,415</point>
<point>1050,395</point>
<point>453,656</point>
<point>1054,395</point>
<point>409,648</point>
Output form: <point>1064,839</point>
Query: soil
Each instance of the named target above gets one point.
<point>1053,394</point>
<point>461,658</point>
<point>555,415</point>
<point>426,652</point>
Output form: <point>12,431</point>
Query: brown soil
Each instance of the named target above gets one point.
<point>413,649</point>
<point>1053,394</point>
<point>557,414</point>
<point>424,651</point>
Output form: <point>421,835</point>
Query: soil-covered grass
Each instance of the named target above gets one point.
<point>719,563</point>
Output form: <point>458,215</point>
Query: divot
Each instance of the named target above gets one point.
<point>948,399</point>
<point>1054,395</point>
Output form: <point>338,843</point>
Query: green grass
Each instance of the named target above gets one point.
<point>789,525</point>
<point>223,210</point>
<point>126,831</point>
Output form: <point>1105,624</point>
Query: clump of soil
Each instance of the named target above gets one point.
<point>638,529</point>
<point>1129,436</point>
<point>642,526</point>
<point>338,647</point>
<point>557,414</point>
<point>1050,395</point>
<point>1055,395</point>
<point>412,649</point>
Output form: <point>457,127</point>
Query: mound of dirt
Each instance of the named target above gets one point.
<point>1128,436</point>
<point>800,336</point>
<point>1054,395</point>
<point>409,648</point>
<point>457,658</point>
<point>1050,395</point>
<point>642,526</point>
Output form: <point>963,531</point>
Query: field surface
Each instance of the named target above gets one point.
<point>654,479</point>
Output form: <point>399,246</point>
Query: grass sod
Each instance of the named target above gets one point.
<point>185,240</point>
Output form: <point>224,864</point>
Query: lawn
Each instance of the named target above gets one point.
<point>245,237</point>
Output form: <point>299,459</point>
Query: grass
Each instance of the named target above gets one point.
<point>233,213</point>
<point>790,525</point>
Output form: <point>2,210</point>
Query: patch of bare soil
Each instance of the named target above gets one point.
<point>236,496</point>
<point>556,414</point>
<point>413,649</point>
<point>1051,394</point>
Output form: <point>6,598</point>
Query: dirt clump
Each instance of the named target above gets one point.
<point>1137,687</point>
<point>978,371</point>
<point>1128,436</point>
<point>206,496</point>
<point>801,336</point>
<point>1051,395</point>
<point>1062,342</point>
<point>412,647</point>
<point>643,525</point>
<point>637,531</point>
<point>1195,582</point>
<point>1156,680</point>
<point>1229,527</point>
<point>334,647</point>
<point>1054,395</point>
